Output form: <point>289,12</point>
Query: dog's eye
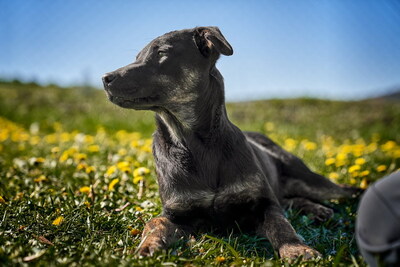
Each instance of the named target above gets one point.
<point>162,53</point>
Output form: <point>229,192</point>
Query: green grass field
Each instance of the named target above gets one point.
<point>77,178</point>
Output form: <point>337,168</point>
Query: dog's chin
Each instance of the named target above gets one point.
<point>139,103</point>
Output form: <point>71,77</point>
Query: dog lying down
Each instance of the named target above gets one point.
<point>210,173</point>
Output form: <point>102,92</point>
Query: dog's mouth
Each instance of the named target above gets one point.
<point>134,103</point>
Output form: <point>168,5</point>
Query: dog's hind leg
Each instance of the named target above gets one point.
<point>158,234</point>
<point>297,179</point>
<point>316,211</point>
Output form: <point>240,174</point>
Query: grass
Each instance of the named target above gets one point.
<point>77,178</point>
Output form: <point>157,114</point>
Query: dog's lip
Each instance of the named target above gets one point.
<point>124,101</point>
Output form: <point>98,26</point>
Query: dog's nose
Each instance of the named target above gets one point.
<point>108,78</point>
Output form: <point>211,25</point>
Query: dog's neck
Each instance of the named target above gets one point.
<point>203,120</point>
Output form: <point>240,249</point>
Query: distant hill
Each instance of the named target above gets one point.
<point>392,95</point>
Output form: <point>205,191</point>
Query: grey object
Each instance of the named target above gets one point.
<point>378,222</point>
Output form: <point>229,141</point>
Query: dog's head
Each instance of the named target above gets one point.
<point>171,70</point>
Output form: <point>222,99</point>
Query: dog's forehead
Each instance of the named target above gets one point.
<point>173,38</point>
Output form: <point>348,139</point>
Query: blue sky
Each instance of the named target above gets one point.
<point>342,49</point>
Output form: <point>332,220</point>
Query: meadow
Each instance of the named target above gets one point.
<point>77,178</point>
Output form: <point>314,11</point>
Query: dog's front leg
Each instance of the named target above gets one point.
<point>283,237</point>
<point>158,234</point>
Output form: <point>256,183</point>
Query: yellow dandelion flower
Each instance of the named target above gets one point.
<point>134,144</point>
<point>2,200</point>
<point>381,168</point>
<point>354,168</point>
<point>93,148</point>
<point>333,176</point>
<point>137,208</point>
<point>58,220</point>
<point>140,171</point>
<point>89,139</point>
<point>353,181</point>
<point>90,169</point>
<point>80,157</point>
<point>364,173</point>
<point>87,204</point>
<point>81,166</point>
<point>41,178</point>
<point>34,140</point>
<point>123,164</point>
<point>290,144</point>
<point>112,184</point>
<point>38,160</point>
<point>135,232</point>
<point>220,259</point>
<point>388,146</point>
<point>360,161</point>
<point>309,146</point>
<point>137,179</point>
<point>50,139</point>
<point>330,161</point>
<point>371,147</point>
<point>65,137</point>
<point>122,152</point>
<point>364,184</point>
<point>84,189</point>
<point>111,170</point>
<point>64,156</point>
<point>55,149</point>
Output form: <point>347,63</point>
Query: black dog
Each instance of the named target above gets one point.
<point>211,174</point>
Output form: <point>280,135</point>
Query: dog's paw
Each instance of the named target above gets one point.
<point>149,247</point>
<point>293,251</point>
<point>320,213</point>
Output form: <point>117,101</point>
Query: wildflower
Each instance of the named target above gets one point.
<point>137,208</point>
<point>388,146</point>
<point>220,259</point>
<point>111,170</point>
<point>55,149</point>
<point>122,152</point>
<point>88,139</point>
<point>41,178</point>
<point>381,168</point>
<point>81,166</point>
<point>137,179</point>
<point>50,138</point>
<point>330,161</point>
<point>64,156</point>
<point>140,171</point>
<point>309,145</point>
<point>112,184</point>
<point>360,161</point>
<point>290,144</point>
<point>87,204</point>
<point>93,148</point>
<point>90,169</point>
<point>2,200</point>
<point>333,176</point>
<point>80,157</point>
<point>65,137</point>
<point>364,184</point>
<point>135,232</point>
<point>36,161</point>
<point>58,220</point>
<point>364,173</point>
<point>354,168</point>
<point>84,189</point>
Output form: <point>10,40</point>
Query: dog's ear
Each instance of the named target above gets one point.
<point>210,38</point>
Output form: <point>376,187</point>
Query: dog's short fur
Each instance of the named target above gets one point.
<point>211,174</point>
